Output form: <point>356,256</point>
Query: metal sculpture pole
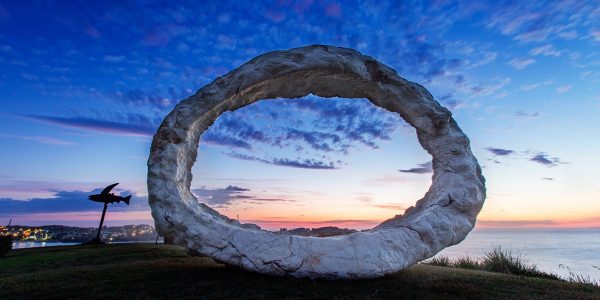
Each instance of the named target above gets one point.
<point>101,220</point>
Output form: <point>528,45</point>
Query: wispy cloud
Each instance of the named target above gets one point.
<point>532,86</point>
<point>521,63</point>
<point>38,139</point>
<point>156,99</point>
<point>390,206</point>
<point>224,140</point>
<point>304,163</point>
<point>30,76</point>
<point>546,50</point>
<point>516,223</point>
<point>523,115</point>
<point>286,162</point>
<point>595,34</point>
<point>222,197</point>
<point>114,58</point>
<point>309,127</point>
<point>541,21</point>
<point>486,89</point>
<point>26,188</point>
<point>423,168</point>
<point>388,179</point>
<point>543,159</point>
<point>564,88</point>
<point>65,201</point>
<point>500,151</point>
<point>591,221</point>
<point>123,128</point>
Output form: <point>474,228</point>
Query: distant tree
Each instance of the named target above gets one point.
<point>6,242</point>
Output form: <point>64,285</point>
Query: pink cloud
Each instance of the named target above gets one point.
<point>37,138</point>
<point>391,206</point>
<point>546,223</point>
<point>389,179</point>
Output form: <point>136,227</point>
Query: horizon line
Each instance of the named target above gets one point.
<point>311,227</point>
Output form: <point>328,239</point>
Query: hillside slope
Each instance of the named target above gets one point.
<point>145,271</point>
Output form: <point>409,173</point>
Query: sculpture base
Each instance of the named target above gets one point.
<point>93,242</point>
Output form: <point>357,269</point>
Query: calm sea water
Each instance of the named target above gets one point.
<point>551,250</point>
<point>21,245</point>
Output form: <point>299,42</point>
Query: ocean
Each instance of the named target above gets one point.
<point>22,245</point>
<point>555,251</point>
<point>551,250</point>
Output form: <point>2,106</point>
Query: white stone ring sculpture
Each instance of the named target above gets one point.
<point>443,217</point>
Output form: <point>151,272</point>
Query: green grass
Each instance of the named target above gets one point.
<point>440,261</point>
<point>581,278</point>
<point>504,261</point>
<point>145,271</point>
<point>500,261</point>
<point>467,262</point>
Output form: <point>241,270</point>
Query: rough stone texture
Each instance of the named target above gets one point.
<point>442,218</point>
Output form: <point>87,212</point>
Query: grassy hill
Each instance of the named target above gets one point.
<point>145,271</point>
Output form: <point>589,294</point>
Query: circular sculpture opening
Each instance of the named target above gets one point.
<point>443,217</point>
<point>297,165</point>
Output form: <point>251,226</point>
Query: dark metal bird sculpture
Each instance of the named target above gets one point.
<point>106,197</point>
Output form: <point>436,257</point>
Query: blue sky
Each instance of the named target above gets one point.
<point>84,85</point>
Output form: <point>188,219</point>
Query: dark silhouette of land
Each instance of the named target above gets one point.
<point>6,242</point>
<point>69,234</point>
<point>317,232</point>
